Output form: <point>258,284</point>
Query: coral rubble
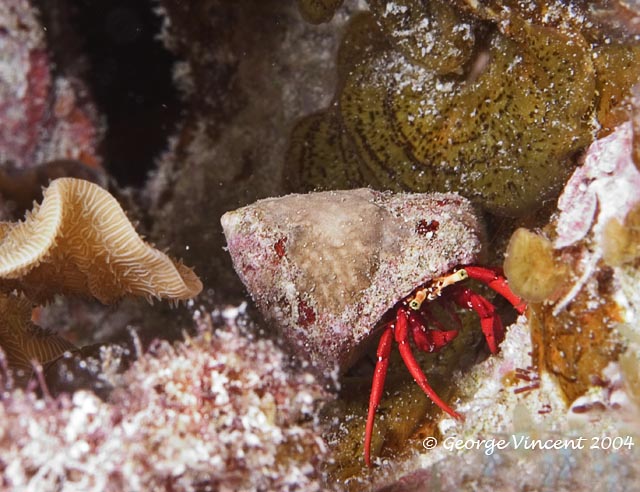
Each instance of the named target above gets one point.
<point>218,411</point>
<point>504,400</point>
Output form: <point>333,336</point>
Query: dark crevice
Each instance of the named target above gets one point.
<point>129,74</point>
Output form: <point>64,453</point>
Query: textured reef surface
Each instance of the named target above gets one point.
<point>569,370</point>
<point>371,120</point>
<point>45,116</point>
<point>218,411</point>
<point>77,242</point>
<point>492,100</point>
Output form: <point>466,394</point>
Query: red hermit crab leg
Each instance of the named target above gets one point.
<point>429,340</point>
<point>402,338</point>
<point>380,374</point>
<point>490,322</point>
<point>401,331</point>
<point>412,317</point>
<point>494,279</point>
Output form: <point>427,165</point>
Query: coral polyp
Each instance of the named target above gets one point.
<point>492,103</point>
<point>78,241</point>
<point>219,411</point>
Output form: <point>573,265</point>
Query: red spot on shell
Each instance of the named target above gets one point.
<point>423,227</point>
<point>280,248</point>
<point>448,201</point>
<point>306,314</point>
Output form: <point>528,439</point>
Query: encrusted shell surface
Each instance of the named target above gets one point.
<point>325,267</point>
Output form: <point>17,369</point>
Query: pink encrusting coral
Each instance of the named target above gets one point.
<point>219,411</point>
<point>601,193</point>
<point>605,187</point>
<point>325,267</point>
<point>42,116</point>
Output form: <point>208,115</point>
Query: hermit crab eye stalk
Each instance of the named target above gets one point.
<point>434,289</point>
<point>418,298</point>
<point>439,284</point>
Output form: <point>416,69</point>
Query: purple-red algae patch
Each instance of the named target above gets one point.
<point>280,247</point>
<point>423,227</point>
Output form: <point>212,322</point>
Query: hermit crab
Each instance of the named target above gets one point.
<point>326,269</point>
<point>413,318</point>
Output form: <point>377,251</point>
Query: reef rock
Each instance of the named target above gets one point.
<point>587,320</point>
<point>605,187</point>
<point>325,267</point>
<point>44,115</point>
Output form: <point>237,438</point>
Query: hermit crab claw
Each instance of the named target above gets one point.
<point>410,321</point>
<point>428,340</point>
